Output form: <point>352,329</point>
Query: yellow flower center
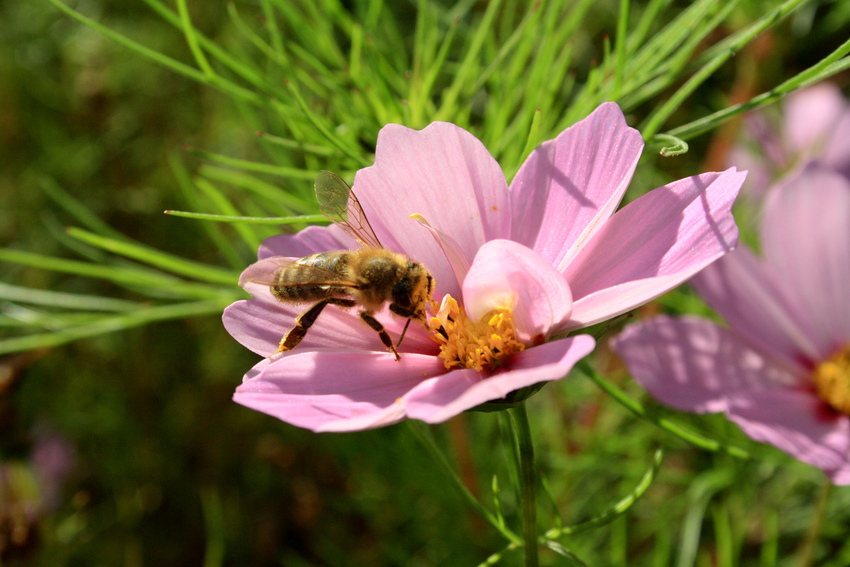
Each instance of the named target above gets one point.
<point>481,345</point>
<point>832,380</point>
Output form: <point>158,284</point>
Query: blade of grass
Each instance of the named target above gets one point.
<point>317,123</point>
<point>161,59</point>
<point>112,323</point>
<point>192,41</point>
<point>218,200</point>
<point>64,300</point>
<point>75,208</point>
<point>288,199</point>
<point>247,165</point>
<point>131,277</point>
<point>639,410</point>
<point>156,258</point>
<point>832,64</point>
<point>312,219</point>
<point>617,509</point>
<point>463,76</point>
<point>184,182</point>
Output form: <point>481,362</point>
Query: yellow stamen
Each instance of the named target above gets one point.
<point>481,345</point>
<point>832,380</point>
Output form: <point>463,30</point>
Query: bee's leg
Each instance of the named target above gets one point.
<point>408,314</point>
<point>306,320</point>
<point>385,337</point>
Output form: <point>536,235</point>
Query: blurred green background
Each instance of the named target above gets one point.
<point>167,470</point>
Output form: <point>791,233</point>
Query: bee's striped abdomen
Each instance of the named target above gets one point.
<point>311,278</point>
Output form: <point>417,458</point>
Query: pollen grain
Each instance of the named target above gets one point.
<point>832,380</point>
<point>479,345</point>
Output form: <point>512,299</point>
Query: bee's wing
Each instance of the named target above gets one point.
<point>339,203</point>
<point>265,272</point>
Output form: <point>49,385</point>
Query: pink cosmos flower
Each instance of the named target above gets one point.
<point>514,265</point>
<point>781,371</point>
<point>815,126</point>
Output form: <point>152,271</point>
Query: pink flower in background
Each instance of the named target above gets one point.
<point>30,490</point>
<point>815,126</point>
<point>514,266</point>
<point>781,371</point>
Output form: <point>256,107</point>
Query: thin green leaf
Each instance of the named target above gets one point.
<point>247,165</point>
<point>62,300</point>
<point>617,509</point>
<point>156,258</point>
<point>111,324</point>
<point>250,220</point>
<point>671,427</point>
<point>129,277</point>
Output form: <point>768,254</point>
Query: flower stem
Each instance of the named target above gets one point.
<point>528,482</point>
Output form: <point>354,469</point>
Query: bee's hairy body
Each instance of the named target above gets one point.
<point>368,278</point>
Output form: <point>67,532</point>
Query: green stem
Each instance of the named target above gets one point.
<point>814,532</point>
<point>528,482</point>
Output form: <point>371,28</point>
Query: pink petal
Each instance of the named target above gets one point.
<point>652,245</point>
<point>311,240</point>
<point>760,171</point>
<point>331,390</point>
<point>748,296</point>
<point>806,241</point>
<point>841,476</point>
<point>796,423</point>
<point>441,398</point>
<point>444,174</point>
<point>507,275</point>
<point>810,116</point>
<point>694,365</point>
<point>836,155</point>
<point>569,186</point>
<point>260,323</point>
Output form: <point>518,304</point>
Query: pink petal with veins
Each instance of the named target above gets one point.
<point>806,243</point>
<point>652,245</point>
<point>569,186</point>
<point>694,365</point>
<point>336,390</point>
<point>796,423</point>
<point>445,174</point>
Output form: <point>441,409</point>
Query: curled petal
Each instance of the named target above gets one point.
<point>653,244</point>
<point>694,365</point>
<point>507,275</point>
<point>454,254</point>
<point>443,397</point>
<point>569,186</point>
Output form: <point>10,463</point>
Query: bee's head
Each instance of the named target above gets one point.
<point>415,289</point>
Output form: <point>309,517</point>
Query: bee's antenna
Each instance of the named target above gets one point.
<point>401,338</point>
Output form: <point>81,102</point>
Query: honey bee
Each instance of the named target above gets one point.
<point>368,277</point>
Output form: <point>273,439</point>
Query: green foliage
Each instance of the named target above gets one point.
<point>224,114</point>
